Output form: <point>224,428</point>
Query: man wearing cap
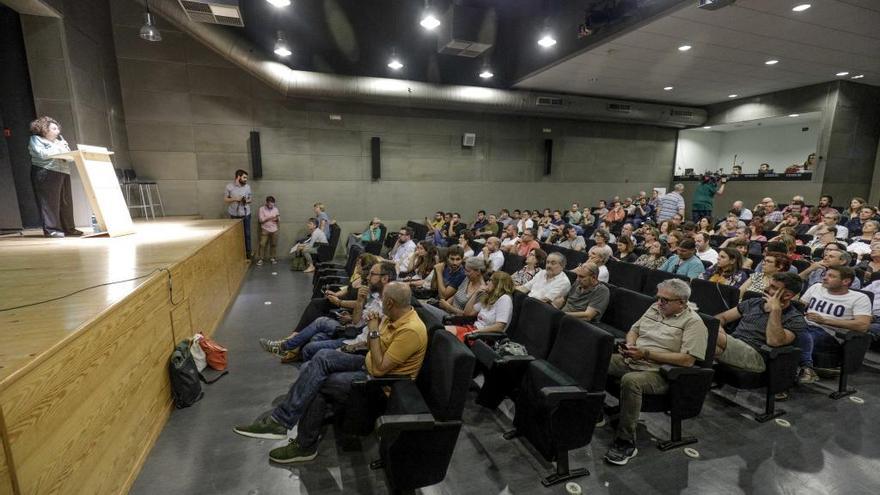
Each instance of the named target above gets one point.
<point>588,298</point>
<point>684,262</point>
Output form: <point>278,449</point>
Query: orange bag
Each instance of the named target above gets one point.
<point>215,353</point>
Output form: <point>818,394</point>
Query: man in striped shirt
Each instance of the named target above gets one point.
<point>670,204</point>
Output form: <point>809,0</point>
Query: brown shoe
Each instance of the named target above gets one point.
<point>290,356</point>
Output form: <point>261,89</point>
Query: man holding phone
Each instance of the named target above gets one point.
<point>238,204</point>
<point>670,332</point>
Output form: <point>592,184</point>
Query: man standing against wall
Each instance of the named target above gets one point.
<point>670,204</point>
<point>704,197</point>
<point>238,204</point>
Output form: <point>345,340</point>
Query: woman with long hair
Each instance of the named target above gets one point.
<point>727,270</point>
<point>855,207</point>
<point>423,260</point>
<point>534,263</point>
<point>655,257</point>
<point>704,226</point>
<point>493,309</point>
<point>625,249</point>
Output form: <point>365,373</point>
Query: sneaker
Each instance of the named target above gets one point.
<point>621,452</point>
<point>290,356</point>
<point>266,428</point>
<point>293,452</point>
<point>260,262</point>
<point>73,233</point>
<point>782,396</point>
<point>310,269</point>
<point>273,261</point>
<point>55,234</point>
<point>601,421</point>
<point>272,346</point>
<point>807,375</point>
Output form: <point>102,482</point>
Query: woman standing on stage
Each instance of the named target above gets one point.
<point>51,178</point>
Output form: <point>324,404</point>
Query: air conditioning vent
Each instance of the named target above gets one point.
<point>224,12</point>
<point>549,101</point>
<point>462,32</point>
<point>682,113</point>
<point>619,108</point>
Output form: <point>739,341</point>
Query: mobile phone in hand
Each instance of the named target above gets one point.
<point>622,347</point>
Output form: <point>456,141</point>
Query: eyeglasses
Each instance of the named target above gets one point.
<point>663,300</point>
<point>830,218</point>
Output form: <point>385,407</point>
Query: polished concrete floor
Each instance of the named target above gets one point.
<point>830,447</point>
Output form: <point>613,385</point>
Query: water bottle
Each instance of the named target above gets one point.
<point>94,223</point>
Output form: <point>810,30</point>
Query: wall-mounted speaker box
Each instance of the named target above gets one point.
<point>548,156</point>
<point>256,155</point>
<point>375,144</point>
<point>468,140</point>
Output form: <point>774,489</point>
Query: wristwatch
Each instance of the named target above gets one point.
<point>373,334</point>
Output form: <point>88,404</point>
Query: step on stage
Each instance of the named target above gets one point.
<point>84,388</point>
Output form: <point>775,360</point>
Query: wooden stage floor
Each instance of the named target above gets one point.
<point>84,378</point>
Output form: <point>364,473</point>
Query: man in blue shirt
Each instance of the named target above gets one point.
<point>685,262</point>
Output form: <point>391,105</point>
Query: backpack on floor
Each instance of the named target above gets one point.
<point>186,389</point>
<point>298,263</point>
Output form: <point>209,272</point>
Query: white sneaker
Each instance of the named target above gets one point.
<point>260,262</point>
<point>273,260</point>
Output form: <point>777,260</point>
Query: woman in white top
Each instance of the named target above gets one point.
<point>493,309</point>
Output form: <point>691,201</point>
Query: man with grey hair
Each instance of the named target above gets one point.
<point>550,283</point>
<point>739,209</point>
<point>599,256</point>
<point>831,220</point>
<point>670,332</point>
<point>397,344</point>
<point>670,204</point>
<point>831,258</point>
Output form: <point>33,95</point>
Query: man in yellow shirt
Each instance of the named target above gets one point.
<point>397,346</point>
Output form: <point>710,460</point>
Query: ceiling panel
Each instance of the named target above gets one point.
<point>730,46</point>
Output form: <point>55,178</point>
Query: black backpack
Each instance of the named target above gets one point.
<point>186,389</point>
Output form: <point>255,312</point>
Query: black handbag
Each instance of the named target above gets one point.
<point>186,389</point>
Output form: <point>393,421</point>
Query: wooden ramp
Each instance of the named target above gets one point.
<point>84,389</point>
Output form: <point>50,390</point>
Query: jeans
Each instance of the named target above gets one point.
<point>246,224</point>
<point>319,342</point>
<point>334,392</point>
<point>696,215</point>
<point>312,377</point>
<point>633,384</point>
<point>811,339</point>
<point>323,327</point>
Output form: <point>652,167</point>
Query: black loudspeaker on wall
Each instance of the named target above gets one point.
<point>548,155</point>
<point>256,156</point>
<point>375,154</point>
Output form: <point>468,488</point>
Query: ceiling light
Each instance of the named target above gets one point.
<point>486,74</point>
<point>800,8</point>
<point>794,115</point>
<point>707,127</point>
<point>279,3</point>
<point>149,31</point>
<point>732,96</point>
<point>547,41</point>
<point>282,49</point>
<point>395,64</point>
<point>771,62</point>
<point>841,74</point>
<point>668,88</point>
<point>429,22</point>
<point>684,48</point>
<point>859,76</point>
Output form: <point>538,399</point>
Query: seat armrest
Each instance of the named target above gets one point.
<point>671,372</point>
<point>459,320</point>
<point>487,337</point>
<point>390,424</point>
<point>521,360</point>
<point>769,352</point>
<point>379,381</point>
<point>851,335</point>
<point>554,395</point>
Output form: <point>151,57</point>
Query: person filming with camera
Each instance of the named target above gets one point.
<point>704,196</point>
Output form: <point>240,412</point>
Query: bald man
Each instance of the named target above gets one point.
<point>397,344</point>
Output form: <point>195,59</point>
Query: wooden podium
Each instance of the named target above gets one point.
<point>102,189</point>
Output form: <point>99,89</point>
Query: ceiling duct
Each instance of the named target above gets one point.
<point>224,12</point>
<point>462,34</point>
<point>417,94</point>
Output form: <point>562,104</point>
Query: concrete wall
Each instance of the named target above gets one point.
<point>72,64</point>
<point>188,114</point>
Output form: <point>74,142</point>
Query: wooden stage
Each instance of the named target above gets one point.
<point>84,388</point>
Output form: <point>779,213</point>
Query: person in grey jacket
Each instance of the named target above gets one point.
<point>51,178</point>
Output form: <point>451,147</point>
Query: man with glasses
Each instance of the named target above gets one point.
<point>832,257</point>
<point>684,262</point>
<point>830,221</point>
<point>549,284</point>
<point>401,253</point>
<point>670,332</point>
<point>770,321</point>
<point>397,344</point>
<point>526,243</point>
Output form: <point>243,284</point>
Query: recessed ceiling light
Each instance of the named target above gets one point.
<point>771,62</point>
<point>486,74</point>
<point>800,8</point>
<point>279,3</point>
<point>668,88</point>
<point>794,115</point>
<point>707,127</point>
<point>858,76</point>
<point>282,49</point>
<point>547,41</point>
<point>732,96</point>
<point>395,64</point>
<point>429,22</point>
<point>841,74</point>
<point>684,48</point>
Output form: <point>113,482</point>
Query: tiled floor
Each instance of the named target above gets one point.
<point>830,447</point>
